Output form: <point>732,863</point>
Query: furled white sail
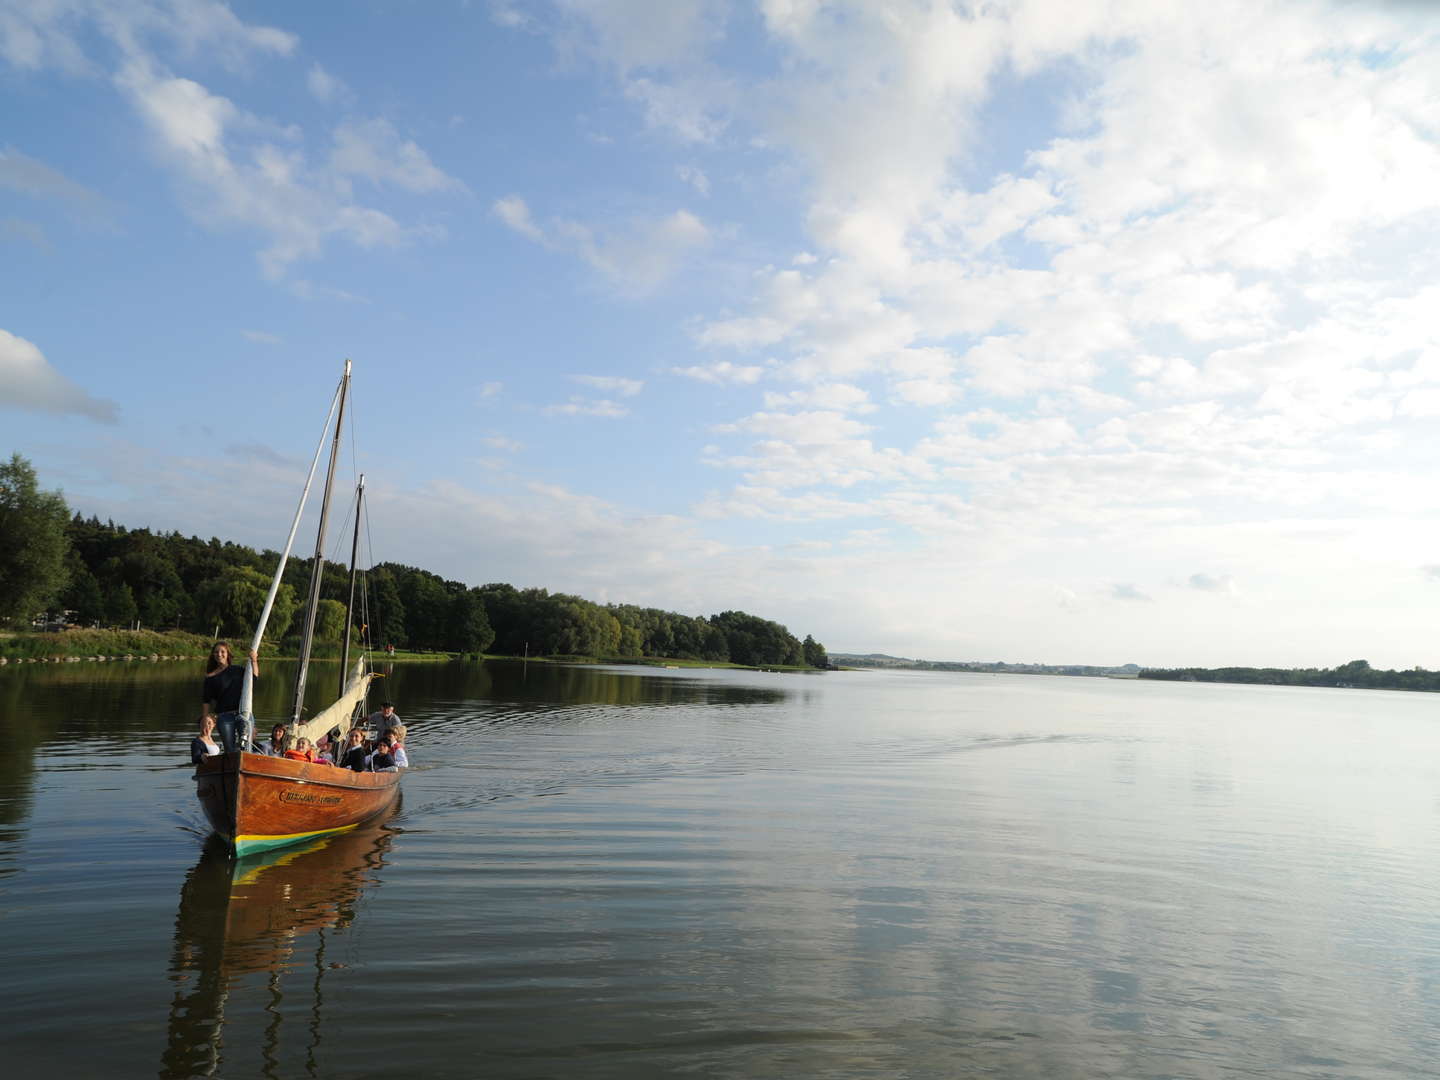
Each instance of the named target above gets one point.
<point>338,714</point>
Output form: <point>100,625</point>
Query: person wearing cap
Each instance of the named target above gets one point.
<point>385,719</point>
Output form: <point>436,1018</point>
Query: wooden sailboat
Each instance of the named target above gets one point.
<point>255,802</point>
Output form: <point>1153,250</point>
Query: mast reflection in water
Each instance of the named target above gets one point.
<point>263,921</point>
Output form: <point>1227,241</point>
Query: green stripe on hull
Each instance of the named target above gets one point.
<point>252,844</point>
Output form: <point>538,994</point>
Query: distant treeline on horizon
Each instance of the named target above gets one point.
<point>989,667</point>
<point>1357,673</point>
<point>116,576</point>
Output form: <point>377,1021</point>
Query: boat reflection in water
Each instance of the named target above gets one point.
<point>262,923</point>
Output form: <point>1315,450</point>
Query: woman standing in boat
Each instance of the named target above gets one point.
<point>221,695</point>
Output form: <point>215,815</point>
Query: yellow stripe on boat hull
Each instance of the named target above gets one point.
<point>249,844</point>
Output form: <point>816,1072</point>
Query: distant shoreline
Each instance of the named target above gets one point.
<point>997,667</point>
<point>77,646</point>
<point>1357,674</point>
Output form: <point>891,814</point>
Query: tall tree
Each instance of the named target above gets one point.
<point>387,613</point>
<point>33,541</point>
<point>329,620</point>
<point>82,595</point>
<point>119,606</point>
<point>236,598</point>
<point>815,655</point>
<point>469,627</point>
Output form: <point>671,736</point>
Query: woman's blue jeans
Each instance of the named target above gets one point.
<point>226,726</point>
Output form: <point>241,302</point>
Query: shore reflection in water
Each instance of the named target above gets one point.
<point>263,921</point>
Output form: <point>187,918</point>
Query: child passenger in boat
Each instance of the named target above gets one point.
<point>383,760</point>
<point>397,748</point>
<point>304,751</point>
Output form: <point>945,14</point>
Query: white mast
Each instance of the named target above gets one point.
<point>246,712</point>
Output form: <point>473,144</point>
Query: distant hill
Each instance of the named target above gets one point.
<point>882,660</point>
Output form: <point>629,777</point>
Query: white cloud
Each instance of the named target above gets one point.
<point>722,371</point>
<point>235,169</point>
<point>636,256</point>
<point>658,53</point>
<point>987,433</point>
<point>613,384</point>
<point>515,212</point>
<point>839,397</point>
<point>639,256</point>
<point>28,382</point>
<point>578,406</point>
<point>374,150</point>
<point>1170,247</point>
<point>325,87</point>
<point>817,447</point>
<point>695,177</point>
<point>260,337</point>
<point>270,191</point>
<point>271,188</point>
<point>45,35</point>
<point>507,14</point>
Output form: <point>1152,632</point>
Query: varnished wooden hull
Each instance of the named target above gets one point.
<point>256,802</point>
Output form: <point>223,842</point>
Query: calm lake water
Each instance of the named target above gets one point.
<point>614,872</point>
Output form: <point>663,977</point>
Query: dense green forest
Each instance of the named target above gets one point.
<point>1357,673</point>
<point>107,574</point>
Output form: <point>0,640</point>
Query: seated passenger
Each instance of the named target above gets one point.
<point>397,746</point>
<point>204,744</point>
<point>303,751</point>
<point>323,750</point>
<point>355,757</point>
<point>383,760</point>
<point>279,742</point>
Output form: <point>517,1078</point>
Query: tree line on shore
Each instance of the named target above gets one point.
<point>1357,673</point>
<point>101,573</point>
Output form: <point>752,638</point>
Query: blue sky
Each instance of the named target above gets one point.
<point>1079,332</point>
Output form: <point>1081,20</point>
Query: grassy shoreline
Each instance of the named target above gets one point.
<point>68,646</point>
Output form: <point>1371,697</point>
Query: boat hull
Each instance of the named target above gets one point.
<point>256,802</point>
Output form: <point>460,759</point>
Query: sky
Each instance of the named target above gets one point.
<point>1063,331</point>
